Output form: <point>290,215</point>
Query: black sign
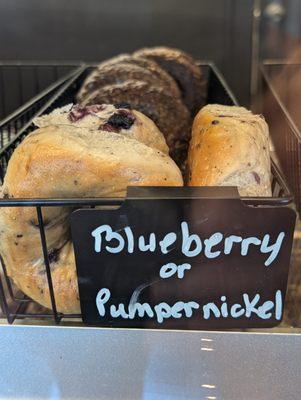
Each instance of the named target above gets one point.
<point>191,258</point>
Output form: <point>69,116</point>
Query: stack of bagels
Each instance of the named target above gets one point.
<point>138,119</point>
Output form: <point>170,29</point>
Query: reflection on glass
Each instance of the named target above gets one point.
<point>206,385</point>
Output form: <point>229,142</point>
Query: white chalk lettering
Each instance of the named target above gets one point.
<point>168,270</point>
<point>224,307</point>
<point>160,311</point>
<point>229,241</point>
<point>168,240</point>
<point>102,298</point>
<point>263,310</point>
<point>273,248</point>
<point>214,239</point>
<point>211,307</point>
<point>130,238</point>
<point>189,307</point>
<point>250,306</point>
<point>235,313</point>
<point>142,310</point>
<point>278,300</point>
<point>163,310</point>
<point>109,235</point>
<point>177,309</point>
<point>151,246</point>
<point>246,243</point>
<point>191,244</point>
<point>182,268</point>
<point>188,241</point>
<point>118,311</point>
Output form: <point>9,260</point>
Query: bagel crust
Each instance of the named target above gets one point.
<point>230,147</point>
<point>65,161</point>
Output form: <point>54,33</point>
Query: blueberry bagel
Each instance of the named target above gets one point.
<point>106,117</point>
<point>168,112</point>
<point>230,147</point>
<point>76,152</point>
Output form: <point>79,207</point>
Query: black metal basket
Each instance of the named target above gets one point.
<point>15,304</point>
<point>24,89</point>
<point>279,91</point>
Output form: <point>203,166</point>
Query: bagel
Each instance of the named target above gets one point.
<point>131,123</point>
<point>168,112</point>
<point>63,160</point>
<point>230,147</point>
<point>123,67</point>
<point>119,73</point>
<point>183,68</point>
<point>163,83</point>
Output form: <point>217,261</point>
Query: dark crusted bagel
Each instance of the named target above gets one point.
<point>183,68</point>
<point>168,112</point>
<point>116,73</point>
<point>150,67</point>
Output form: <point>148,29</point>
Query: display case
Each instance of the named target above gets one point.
<point>277,97</point>
<point>233,259</point>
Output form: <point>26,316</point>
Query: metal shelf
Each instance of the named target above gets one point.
<point>86,363</point>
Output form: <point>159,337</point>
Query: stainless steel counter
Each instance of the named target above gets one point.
<point>86,363</point>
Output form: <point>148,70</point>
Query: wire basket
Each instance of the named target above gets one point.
<point>280,106</point>
<point>24,88</point>
<point>15,304</point>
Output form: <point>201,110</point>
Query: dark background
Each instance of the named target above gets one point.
<point>91,30</point>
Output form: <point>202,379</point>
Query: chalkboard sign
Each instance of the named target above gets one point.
<point>189,258</point>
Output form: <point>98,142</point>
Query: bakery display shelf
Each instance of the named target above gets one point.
<point>86,363</point>
<point>279,104</point>
<point>17,306</point>
<point>24,89</point>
